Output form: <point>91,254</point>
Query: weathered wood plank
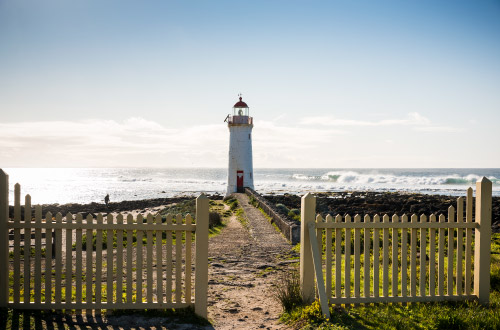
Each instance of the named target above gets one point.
<point>58,263</point>
<point>89,271</point>
<point>98,261</point>
<point>178,261</point>
<point>69,259</point>
<point>347,255</point>
<point>27,249</point>
<point>468,243</point>
<point>169,261</point>
<point>423,253</point>
<point>78,260</point>
<point>139,262</point>
<point>328,258</point>
<point>450,252</point>
<point>119,260</point>
<point>159,262</point>
<point>394,257</point>
<point>357,260</point>
<point>460,245</point>
<point>187,272</point>
<point>376,260</point>
<point>385,260</point>
<point>338,259</point>
<point>130,266</point>
<point>109,260</point>
<point>149,260</point>
<point>441,258</point>
<point>366,262</point>
<point>413,258</point>
<point>432,258</point>
<point>318,270</point>
<point>17,243</point>
<point>48,260</point>
<point>38,254</point>
<point>404,257</point>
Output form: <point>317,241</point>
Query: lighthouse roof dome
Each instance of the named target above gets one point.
<point>240,104</point>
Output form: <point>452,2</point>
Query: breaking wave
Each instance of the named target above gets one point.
<point>353,177</point>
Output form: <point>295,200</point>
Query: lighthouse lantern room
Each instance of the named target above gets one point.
<point>240,168</point>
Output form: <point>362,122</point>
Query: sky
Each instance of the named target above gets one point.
<point>331,84</point>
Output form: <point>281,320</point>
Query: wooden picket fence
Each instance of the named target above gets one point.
<point>347,257</point>
<point>123,273</point>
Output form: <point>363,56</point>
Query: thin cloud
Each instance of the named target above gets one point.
<point>140,142</point>
<point>419,123</point>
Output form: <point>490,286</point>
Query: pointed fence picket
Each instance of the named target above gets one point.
<point>424,245</point>
<point>58,279</point>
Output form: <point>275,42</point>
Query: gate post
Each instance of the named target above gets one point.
<point>307,214</point>
<point>482,243</point>
<point>201,271</point>
<point>4,239</point>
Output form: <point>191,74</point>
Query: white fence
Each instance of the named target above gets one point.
<point>111,262</point>
<point>398,259</point>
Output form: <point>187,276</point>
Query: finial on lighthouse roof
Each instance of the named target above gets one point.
<point>240,103</point>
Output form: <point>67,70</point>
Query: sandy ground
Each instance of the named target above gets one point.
<point>244,264</point>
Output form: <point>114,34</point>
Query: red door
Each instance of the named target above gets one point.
<point>239,181</point>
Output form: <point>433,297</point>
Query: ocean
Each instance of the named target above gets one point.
<point>85,185</point>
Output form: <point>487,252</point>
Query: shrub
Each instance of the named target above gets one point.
<point>287,290</point>
<point>253,201</point>
<point>233,205</point>
<point>213,219</point>
<point>294,214</point>
<point>282,208</point>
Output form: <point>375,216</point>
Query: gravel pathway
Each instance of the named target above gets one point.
<point>244,264</point>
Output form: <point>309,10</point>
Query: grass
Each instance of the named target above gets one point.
<point>287,291</point>
<point>428,316</point>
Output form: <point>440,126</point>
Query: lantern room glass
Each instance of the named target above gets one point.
<point>240,111</point>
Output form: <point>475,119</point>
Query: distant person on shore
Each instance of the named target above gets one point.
<point>106,200</point>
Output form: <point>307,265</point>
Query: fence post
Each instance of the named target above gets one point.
<point>201,271</point>
<point>4,239</point>
<point>307,213</point>
<point>482,241</point>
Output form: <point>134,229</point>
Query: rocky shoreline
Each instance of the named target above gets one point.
<point>365,202</point>
<point>95,208</point>
<point>362,202</point>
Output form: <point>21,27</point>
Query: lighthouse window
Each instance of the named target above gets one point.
<point>249,136</point>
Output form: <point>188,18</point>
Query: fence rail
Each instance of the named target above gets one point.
<point>107,262</point>
<point>398,259</point>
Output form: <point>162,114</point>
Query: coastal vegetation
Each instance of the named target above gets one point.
<point>441,315</point>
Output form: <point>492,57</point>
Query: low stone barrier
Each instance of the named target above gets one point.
<point>289,228</point>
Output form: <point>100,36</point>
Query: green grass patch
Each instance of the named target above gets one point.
<point>431,316</point>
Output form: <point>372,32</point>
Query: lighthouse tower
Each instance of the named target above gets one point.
<point>240,169</point>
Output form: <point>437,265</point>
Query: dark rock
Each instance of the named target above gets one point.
<point>95,208</point>
<point>217,265</point>
<point>372,203</point>
<point>264,266</point>
<point>287,262</point>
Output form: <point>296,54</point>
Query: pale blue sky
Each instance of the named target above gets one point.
<point>329,83</point>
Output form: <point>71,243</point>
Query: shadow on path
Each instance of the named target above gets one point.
<point>46,320</point>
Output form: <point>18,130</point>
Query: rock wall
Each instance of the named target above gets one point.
<point>289,227</point>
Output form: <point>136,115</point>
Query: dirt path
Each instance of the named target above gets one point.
<point>245,260</point>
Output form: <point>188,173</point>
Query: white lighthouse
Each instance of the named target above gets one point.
<point>240,169</point>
